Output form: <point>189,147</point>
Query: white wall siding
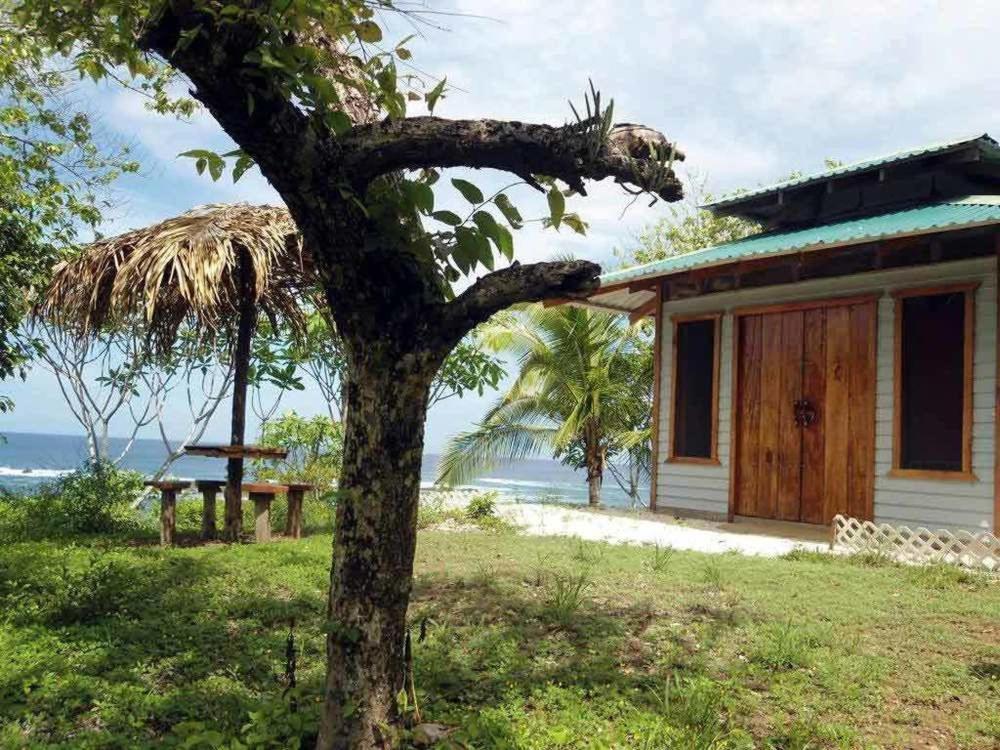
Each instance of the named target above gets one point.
<point>969,505</point>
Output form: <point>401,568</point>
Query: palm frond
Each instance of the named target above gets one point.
<point>469,454</point>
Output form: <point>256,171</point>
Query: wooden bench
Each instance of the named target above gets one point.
<point>261,493</point>
<point>168,507</point>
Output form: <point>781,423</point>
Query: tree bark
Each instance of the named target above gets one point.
<point>233,524</point>
<point>595,466</point>
<point>373,548</point>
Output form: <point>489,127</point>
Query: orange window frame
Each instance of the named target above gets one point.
<point>713,458</point>
<point>965,473</point>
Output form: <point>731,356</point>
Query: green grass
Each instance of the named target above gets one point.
<point>519,643</point>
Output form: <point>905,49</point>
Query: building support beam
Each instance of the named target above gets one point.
<point>654,461</point>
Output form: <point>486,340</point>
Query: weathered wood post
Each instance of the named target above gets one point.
<point>209,491</point>
<point>293,521</point>
<point>168,508</point>
<point>262,515</point>
<point>168,516</point>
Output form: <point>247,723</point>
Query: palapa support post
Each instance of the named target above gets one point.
<point>293,520</point>
<point>168,508</point>
<point>233,526</point>
<point>209,491</point>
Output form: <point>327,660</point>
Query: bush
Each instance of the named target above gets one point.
<point>97,498</point>
<point>315,448</point>
<point>482,506</point>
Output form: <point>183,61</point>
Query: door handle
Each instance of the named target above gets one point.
<point>805,413</point>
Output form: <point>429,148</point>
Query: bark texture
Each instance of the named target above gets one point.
<point>374,546</point>
<point>595,465</point>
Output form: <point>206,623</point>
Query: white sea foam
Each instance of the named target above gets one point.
<point>12,471</point>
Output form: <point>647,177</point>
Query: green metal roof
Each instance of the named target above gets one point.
<point>935,217</point>
<point>984,141</point>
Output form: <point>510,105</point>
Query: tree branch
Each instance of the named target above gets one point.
<point>572,279</point>
<point>632,154</point>
<point>243,97</point>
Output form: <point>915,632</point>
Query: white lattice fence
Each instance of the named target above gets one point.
<point>974,550</point>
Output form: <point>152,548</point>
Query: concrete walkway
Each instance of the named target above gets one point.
<point>623,527</point>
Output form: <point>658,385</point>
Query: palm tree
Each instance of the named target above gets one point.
<point>578,394</point>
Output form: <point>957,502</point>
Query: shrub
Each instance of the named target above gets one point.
<point>659,560</point>
<point>97,498</point>
<point>712,573</point>
<point>783,646</point>
<point>482,506</point>
<point>567,595</point>
<point>315,449</point>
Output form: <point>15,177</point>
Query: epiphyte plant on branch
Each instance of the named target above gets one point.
<point>308,94</point>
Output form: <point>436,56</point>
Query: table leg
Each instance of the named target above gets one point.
<point>293,522</point>
<point>209,531</point>
<point>168,516</point>
<point>262,511</point>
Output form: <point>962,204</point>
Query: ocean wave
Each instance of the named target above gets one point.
<point>526,483</point>
<point>13,471</point>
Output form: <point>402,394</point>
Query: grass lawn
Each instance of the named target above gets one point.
<point>520,642</point>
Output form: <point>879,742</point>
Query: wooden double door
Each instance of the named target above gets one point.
<point>805,420</point>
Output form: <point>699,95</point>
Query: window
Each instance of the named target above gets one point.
<point>695,389</point>
<point>933,383</point>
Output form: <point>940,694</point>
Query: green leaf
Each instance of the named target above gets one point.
<point>557,206</point>
<point>574,222</point>
<point>509,211</point>
<point>447,217</point>
<point>339,122</point>
<point>469,191</point>
<point>486,223</point>
<point>472,247</point>
<point>505,242</point>
<point>432,96</point>
<point>421,195</point>
<point>242,165</point>
<point>368,31</point>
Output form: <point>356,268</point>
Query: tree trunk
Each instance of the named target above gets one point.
<point>373,550</point>
<point>595,469</point>
<point>233,525</point>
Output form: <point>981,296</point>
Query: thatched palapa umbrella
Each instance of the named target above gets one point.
<point>216,268</point>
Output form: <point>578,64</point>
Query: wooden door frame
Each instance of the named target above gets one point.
<point>734,370</point>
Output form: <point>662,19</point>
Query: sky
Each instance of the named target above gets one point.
<point>750,91</point>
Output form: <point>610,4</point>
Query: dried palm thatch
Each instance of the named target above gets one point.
<point>191,269</point>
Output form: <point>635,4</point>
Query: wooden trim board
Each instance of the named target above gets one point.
<point>805,305</point>
<point>969,323</point>
<point>713,457</point>
<point>654,468</point>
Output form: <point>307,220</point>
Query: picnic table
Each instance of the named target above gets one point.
<point>260,493</point>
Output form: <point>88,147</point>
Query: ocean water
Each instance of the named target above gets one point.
<point>28,460</point>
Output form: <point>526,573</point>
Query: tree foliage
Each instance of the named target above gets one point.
<point>315,448</point>
<point>686,227</point>
<point>54,174</point>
